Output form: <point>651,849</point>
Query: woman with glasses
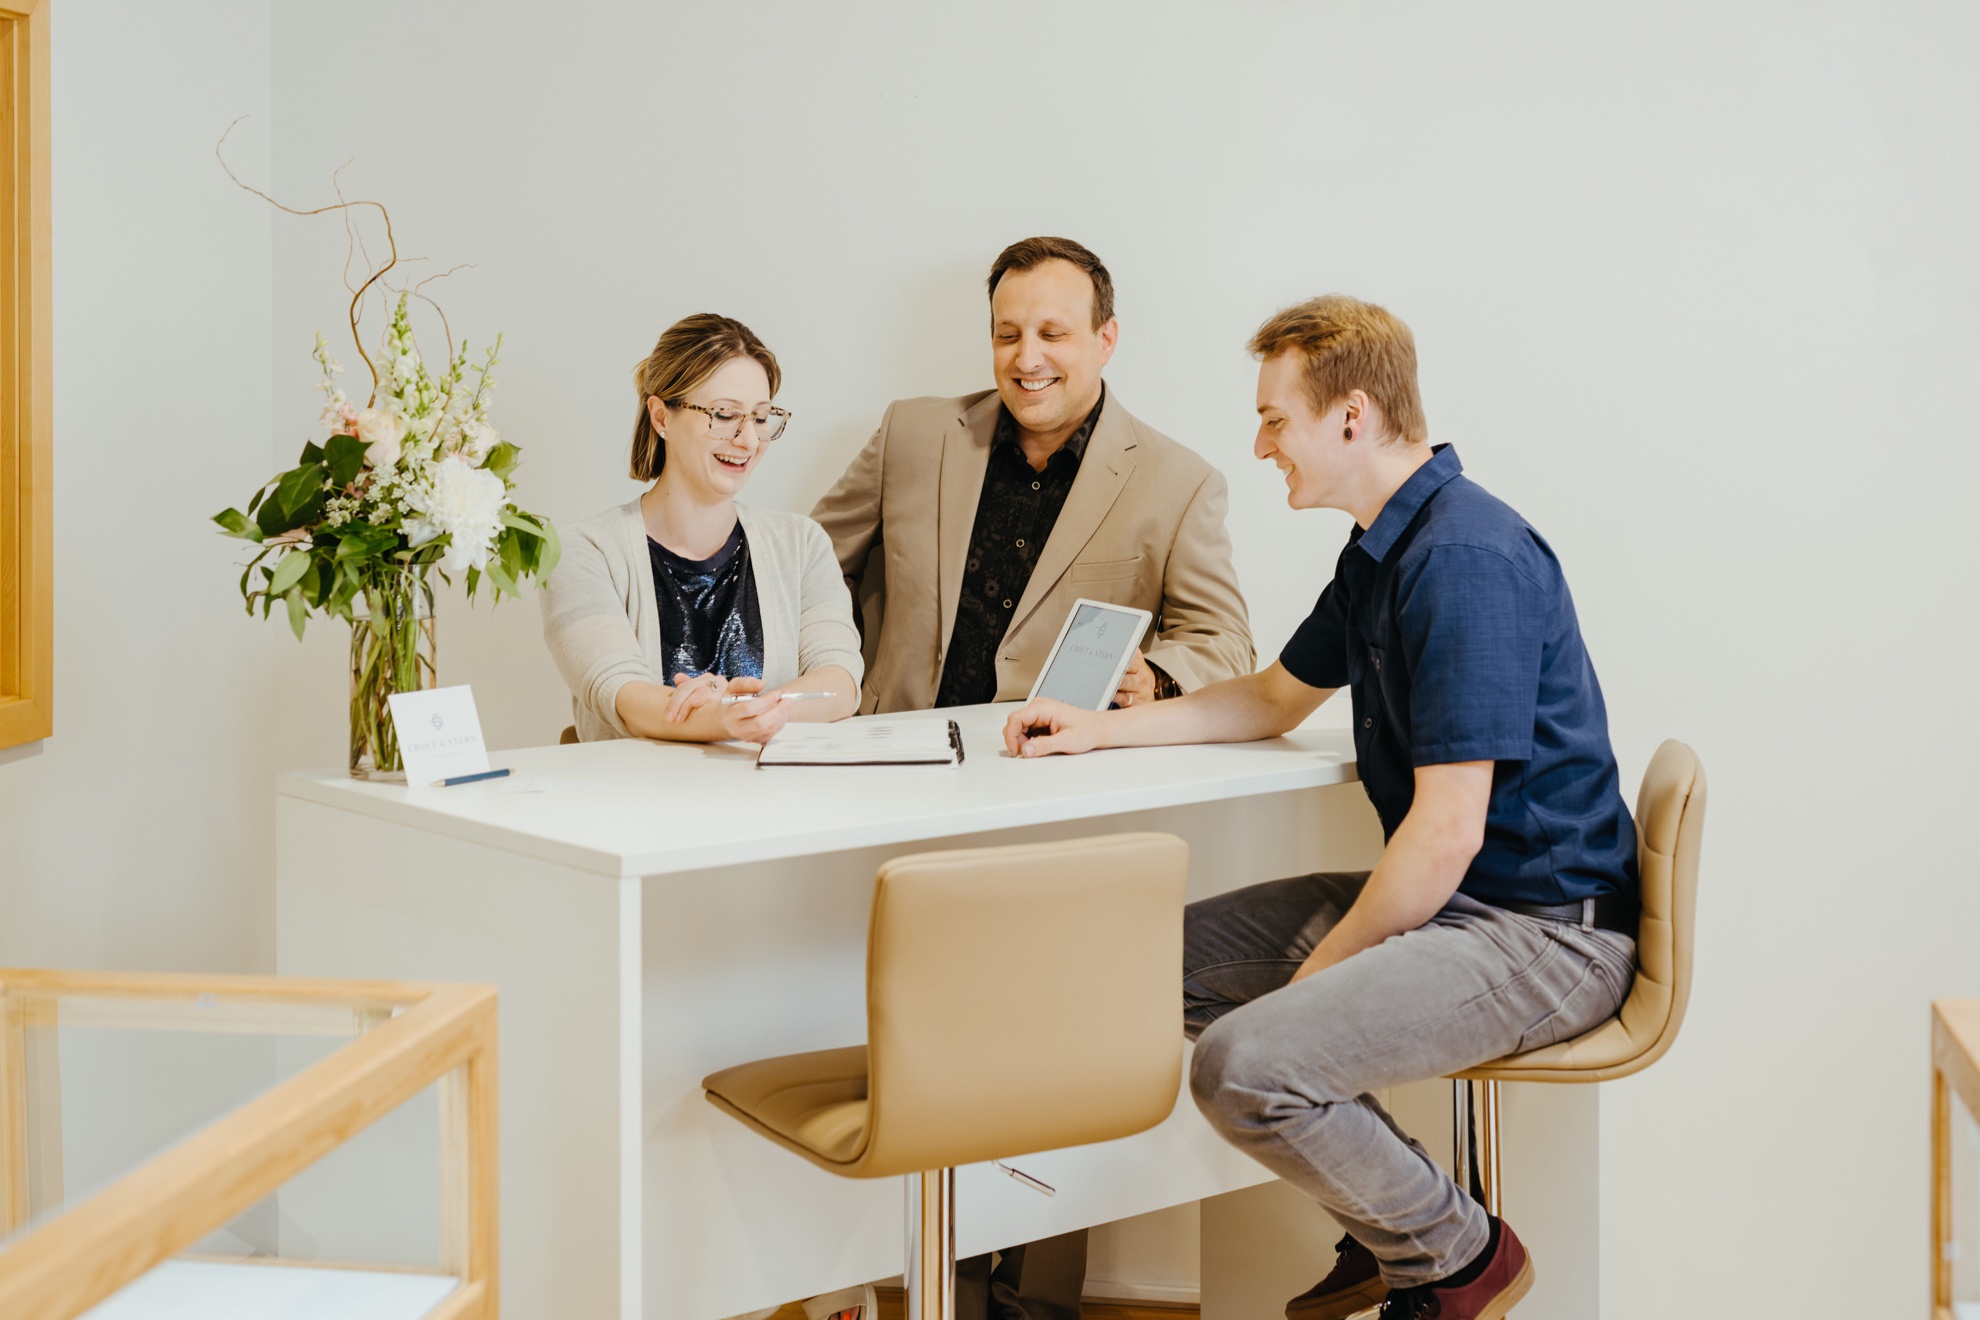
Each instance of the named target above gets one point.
<point>685,615</point>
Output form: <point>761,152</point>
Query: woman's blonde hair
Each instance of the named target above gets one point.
<point>690,351</point>
<point>1347,344</point>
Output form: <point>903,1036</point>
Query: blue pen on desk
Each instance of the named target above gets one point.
<point>469,779</point>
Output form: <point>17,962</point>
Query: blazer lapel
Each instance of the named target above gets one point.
<point>965,458</point>
<point>1103,470</point>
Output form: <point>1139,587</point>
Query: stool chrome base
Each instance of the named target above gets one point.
<point>931,1245</point>
<point>1475,1141</point>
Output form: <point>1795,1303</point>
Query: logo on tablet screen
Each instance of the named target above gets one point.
<point>1100,631</point>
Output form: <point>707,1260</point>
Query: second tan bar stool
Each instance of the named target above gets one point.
<point>1018,999</point>
<point>1670,827</point>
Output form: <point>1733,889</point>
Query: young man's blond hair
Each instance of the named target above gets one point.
<point>1348,344</point>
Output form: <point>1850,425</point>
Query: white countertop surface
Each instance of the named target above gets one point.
<point>632,808</point>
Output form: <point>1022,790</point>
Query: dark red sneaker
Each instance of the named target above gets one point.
<point>1507,1277</point>
<point>1355,1284</point>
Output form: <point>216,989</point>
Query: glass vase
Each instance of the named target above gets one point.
<point>393,649</point>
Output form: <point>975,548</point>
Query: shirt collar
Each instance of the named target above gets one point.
<point>1075,443</point>
<point>1408,501</point>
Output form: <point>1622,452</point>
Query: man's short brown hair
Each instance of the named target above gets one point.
<point>1029,252</point>
<point>1348,344</point>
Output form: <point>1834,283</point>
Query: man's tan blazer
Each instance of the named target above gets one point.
<point>1143,525</point>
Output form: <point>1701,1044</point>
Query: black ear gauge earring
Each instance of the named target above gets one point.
<point>1347,433</point>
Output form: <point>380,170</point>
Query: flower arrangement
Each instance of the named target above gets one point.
<point>416,480</point>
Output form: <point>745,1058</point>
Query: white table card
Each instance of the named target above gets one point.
<point>439,734</point>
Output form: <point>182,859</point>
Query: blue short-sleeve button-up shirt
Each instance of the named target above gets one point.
<point>1451,624</point>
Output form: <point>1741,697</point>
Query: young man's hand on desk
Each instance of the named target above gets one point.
<point>1252,706</point>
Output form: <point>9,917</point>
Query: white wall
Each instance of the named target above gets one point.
<point>141,835</point>
<point>1694,288</point>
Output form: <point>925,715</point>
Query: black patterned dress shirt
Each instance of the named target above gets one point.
<point>1014,517</point>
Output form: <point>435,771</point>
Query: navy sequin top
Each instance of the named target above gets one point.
<point>709,620</point>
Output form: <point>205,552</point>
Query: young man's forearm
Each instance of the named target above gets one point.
<point>1242,709</point>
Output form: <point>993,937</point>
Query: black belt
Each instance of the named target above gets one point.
<point>1616,912</point>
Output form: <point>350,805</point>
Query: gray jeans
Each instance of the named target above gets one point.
<point>1284,1071</point>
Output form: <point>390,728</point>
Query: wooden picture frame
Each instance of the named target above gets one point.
<point>1955,1083</point>
<point>27,603</point>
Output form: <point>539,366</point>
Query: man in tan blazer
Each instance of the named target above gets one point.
<point>971,525</point>
<point>988,515</point>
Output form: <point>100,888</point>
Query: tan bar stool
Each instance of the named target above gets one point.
<point>1018,999</point>
<point>1670,821</point>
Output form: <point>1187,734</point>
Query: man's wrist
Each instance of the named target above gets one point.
<point>1165,687</point>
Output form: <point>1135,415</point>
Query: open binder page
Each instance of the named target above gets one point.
<point>866,742</point>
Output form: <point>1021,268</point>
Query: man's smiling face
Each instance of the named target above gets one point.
<point>1047,352</point>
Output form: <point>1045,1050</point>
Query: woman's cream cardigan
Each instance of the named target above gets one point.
<point>602,622</point>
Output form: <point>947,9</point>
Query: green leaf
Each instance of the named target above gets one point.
<point>255,503</point>
<point>502,459</point>
<point>315,579</point>
<point>500,577</point>
<point>553,550</point>
<point>312,454</point>
<point>237,524</point>
<point>344,457</point>
<point>272,520</point>
<point>297,487</point>
<point>473,580</point>
<point>288,572</point>
<point>298,613</point>
<point>365,541</point>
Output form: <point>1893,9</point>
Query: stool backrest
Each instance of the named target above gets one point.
<point>1670,827</point>
<point>1670,824</point>
<point>1023,998</point>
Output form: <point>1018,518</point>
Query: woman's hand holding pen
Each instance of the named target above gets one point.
<point>756,717</point>
<point>756,721</point>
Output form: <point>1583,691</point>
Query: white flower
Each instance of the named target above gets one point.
<point>463,502</point>
<point>381,432</point>
<point>337,417</point>
<point>477,438</point>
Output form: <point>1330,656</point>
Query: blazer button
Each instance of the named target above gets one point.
<point>1368,722</point>
<point>1007,604</point>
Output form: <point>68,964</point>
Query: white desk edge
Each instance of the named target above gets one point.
<point>1303,759</point>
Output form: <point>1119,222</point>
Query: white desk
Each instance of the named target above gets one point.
<point>652,913</point>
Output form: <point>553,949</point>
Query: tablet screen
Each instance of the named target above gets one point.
<point>1086,666</point>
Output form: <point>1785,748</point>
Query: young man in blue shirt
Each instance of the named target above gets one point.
<point>1502,913</point>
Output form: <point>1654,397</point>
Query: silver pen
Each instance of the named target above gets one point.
<point>733,698</point>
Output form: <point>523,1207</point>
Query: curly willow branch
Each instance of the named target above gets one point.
<point>357,299</point>
<point>413,291</point>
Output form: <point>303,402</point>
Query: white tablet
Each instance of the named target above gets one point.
<point>1093,650</point>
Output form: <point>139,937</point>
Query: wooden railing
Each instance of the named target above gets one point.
<point>412,1037</point>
